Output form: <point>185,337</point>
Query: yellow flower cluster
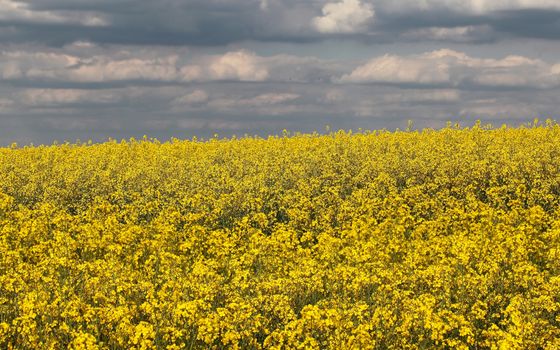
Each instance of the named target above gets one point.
<point>370,240</point>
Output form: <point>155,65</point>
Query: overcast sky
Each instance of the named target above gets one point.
<point>93,69</point>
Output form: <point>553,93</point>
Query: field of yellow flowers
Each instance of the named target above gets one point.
<point>373,240</point>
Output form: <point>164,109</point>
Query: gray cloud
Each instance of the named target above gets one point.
<point>217,22</point>
<point>37,115</point>
<point>15,12</point>
<point>93,69</point>
<point>536,23</point>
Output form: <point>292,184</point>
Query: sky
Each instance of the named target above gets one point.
<point>92,70</point>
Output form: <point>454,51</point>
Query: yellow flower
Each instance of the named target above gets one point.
<point>419,239</point>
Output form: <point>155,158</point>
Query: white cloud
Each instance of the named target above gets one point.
<point>127,66</point>
<point>235,65</point>
<point>333,96</point>
<point>270,99</point>
<point>403,101</point>
<point>15,10</point>
<point>476,7</point>
<point>499,109</point>
<point>263,100</point>
<point>26,65</point>
<point>192,72</point>
<point>453,68</point>
<point>397,69</point>
<point>80,44</point>
<point>69,123</point>
<point>100,69</point>
<point>444,68</point>
<point>40,97</point>
<point>92,20</point>
<point>77,64</point>
<point>11,10</point>
<point>454,34</point>
<point>436,95</point>
<point>347,16</point>
<point>264,5</point>
<point>194,98</point>
<point>239,65</point>
<point>482,6</point>
<point>57,97</point>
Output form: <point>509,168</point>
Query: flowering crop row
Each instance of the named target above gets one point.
<point>375,240</point>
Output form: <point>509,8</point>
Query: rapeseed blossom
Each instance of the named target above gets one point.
<point>370,240</point>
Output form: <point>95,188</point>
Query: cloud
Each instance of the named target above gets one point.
<point>492,109</point>
<point>17,11</point>
<point>196,97</point>
<point>419,96</point>
<point>240,65</point>
<point>347,16</point>
<point>332,96</point>
<point>100,69</point>
<point>218,22</point>
<point>411,102</point>
<point>42,115</point>
<point>16,65</point>
<point>467,21</point>
<point>6,104</point>
<point>79,68</point>
<point>396,69</point>
<point>52,66</point>
<point>125,66</point>
<point>84,63</point>
<point>264,5</point>
<point>270,99</point>
<point>456,69</point>
<point>232,66</point>
<point>460,34</point>
<point>193,100</point>
<point>478,7</point>
<point>262,100</point>
<point>59,97</point>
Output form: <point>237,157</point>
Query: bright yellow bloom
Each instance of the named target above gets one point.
<point>402,240</point>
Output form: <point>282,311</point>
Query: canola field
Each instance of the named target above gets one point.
<point>433,239</point>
